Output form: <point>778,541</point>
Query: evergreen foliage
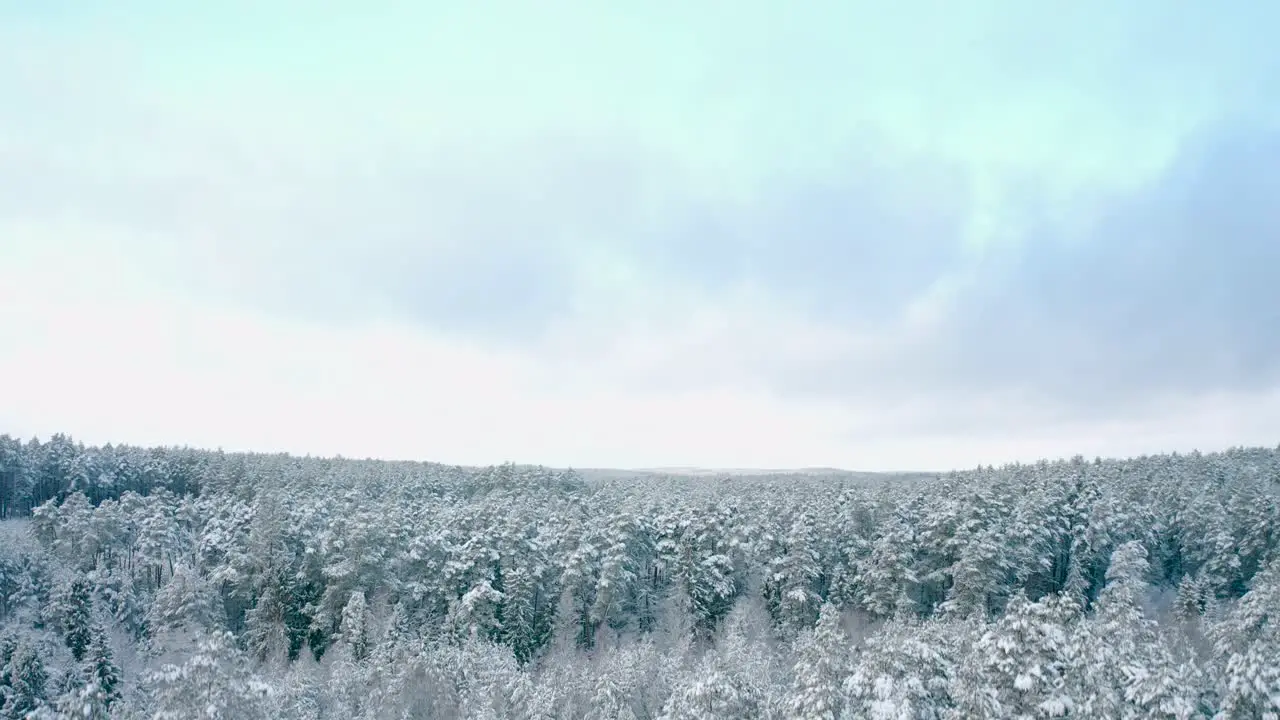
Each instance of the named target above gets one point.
<point>181,583</point>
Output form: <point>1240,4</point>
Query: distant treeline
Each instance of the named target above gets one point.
<point>34,472</point>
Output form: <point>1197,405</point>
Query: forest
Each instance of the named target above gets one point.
<point>181,583</point>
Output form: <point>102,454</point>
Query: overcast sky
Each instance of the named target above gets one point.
<point>921,234</point>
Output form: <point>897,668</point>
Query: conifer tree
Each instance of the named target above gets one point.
<point>24,679</point>
<point>75,610</point>
<point>355,626</point>
<point>820,667</point>
<point>101,671</point>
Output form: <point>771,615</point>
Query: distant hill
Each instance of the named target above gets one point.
<point>694,471</point>
<point>682,470</point>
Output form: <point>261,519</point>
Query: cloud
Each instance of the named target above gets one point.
<point>855,246</point>
<point>111,359</point>
<point>481,244</point>
<point>1148,296</point>
<point>993,238</point>
<point>855,288</point>
<point>1168,291</point>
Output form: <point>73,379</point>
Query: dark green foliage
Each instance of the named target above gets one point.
<point>22,679</point>
<point>101,670</point>
<point>76,611</point>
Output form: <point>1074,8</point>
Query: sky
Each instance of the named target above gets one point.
<point>877,236</point>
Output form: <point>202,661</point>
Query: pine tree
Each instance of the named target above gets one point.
<point>887,572</point>
<point>1021,661</point>
<point>907,670</point>
<point>76,615</point>
<point>355,626</point>
<point>265,635</point>
<point>791,588</point>
<point>715,693</point>
<point>1194,593</point>
<point>476,613</point>
<point>622,684</point>
<point>214,680</point>
<point>8,644</point>
<point>1246,645</point>
<point>1123,666</point>
<point>819,669</point>
<point>24,682</point>
<point>184,604</point>
<point>101,670</point>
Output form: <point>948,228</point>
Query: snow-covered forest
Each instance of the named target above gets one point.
<point>176,583</point>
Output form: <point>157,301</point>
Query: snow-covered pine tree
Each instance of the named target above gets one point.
<point>713,693</point>
<point>214,680</point>
<point>905,671</point>
<point>23,680</point>
<point>821,665</point>
<point>791,588</point>
<point>75,615</point>
<point>355,626</point>
<point>1021,661</point>
<point>1246,645</point>
<point>1123,667</point>
<point>266,637</point>
<point>101,671</point>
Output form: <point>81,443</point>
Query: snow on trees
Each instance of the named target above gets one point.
<point>177,583</point>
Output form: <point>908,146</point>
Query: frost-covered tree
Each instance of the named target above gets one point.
<point>888,571</point>
<point>984,562</point>
<point>75,614</point>
<point>96,693</point>
<point>22,681</point>
<point>101,672</point>
<point>995,592</point>
<point>715,693</point>
<point>821,665</point>
<point>1021,663</point>
<point>905,672</point>
<point>1246,645</point>
<point>355,626</point>
<point>791,588</point>
<point>181,609</point>
<point>632,683</point>
<point>213,682</point>
<point>1124,668</point>
<point>477,614</point>
<point>266,635</point>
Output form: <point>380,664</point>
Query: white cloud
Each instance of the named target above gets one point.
<point>90,348</point>
<point>94,350</point>
<point>201,253</point>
